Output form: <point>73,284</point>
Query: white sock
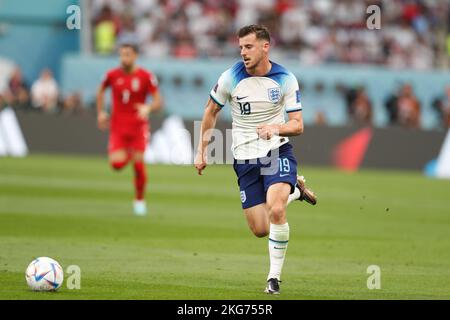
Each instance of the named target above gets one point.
<point>278,242</point>
<point>294,196</point>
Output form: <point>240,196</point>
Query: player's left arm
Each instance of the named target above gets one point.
<point>293,127</point>
<point>144,110</point>
<point>157,102</point>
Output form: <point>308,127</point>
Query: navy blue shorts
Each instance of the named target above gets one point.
<point>255,176</point>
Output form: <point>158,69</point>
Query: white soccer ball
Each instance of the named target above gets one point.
<point>44,274</point>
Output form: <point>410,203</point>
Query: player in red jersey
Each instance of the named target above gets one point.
<point>128,124</point>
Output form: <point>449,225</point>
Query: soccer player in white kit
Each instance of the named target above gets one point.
<point>260,92</point>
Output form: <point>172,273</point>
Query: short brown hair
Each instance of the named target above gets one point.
<point>260,31</point>
<point>133,46</point>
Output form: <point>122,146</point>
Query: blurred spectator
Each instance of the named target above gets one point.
<point>156,46</point>
<point>315,31</point>
<point>44,92</point>
<point>349,95</point>
<point>2,102</point>
<point>404,107</point>
<point>99,5</point>
<point>442,106</point>
<point>421,55</point>
<point>408,108</point>
<point>391,107</point>
<point>127,32</point>
<point>106,27</point>
<point>17,94</point>
<point>184,48</point>
<point>361,108</point>
<point>320,118</point>
<point>72,104</point>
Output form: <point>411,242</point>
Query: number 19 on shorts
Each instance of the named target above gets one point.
<point>285,167</point>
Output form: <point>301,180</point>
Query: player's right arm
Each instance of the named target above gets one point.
<point>102,115</point>
<point>217,99</point>
<point>208,123</point>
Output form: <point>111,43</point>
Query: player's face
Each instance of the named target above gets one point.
<point>253,50</point>
<point>127,57</point>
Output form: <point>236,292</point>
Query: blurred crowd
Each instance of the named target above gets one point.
<point>402,106</point>
<point>43,95</point>
<point>412,35</point>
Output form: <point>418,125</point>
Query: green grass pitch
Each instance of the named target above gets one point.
<point>195,243</point>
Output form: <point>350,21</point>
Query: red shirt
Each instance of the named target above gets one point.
<point>128,89</point>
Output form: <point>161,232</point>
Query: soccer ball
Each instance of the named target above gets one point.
<point>44,274</point>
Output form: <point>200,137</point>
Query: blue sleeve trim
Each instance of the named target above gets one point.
<point>217,102</point>
<point>294,110</point>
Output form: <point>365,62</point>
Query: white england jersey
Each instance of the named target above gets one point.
<point>256,100</point>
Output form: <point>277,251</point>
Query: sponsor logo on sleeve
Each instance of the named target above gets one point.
<point>298,96</point>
